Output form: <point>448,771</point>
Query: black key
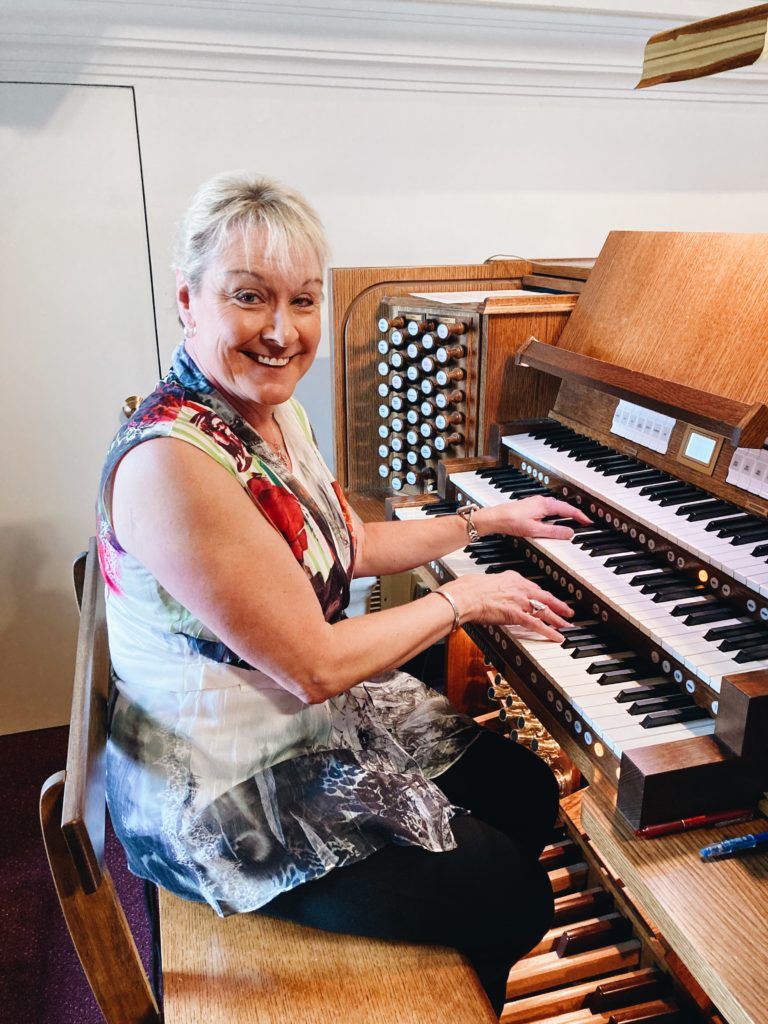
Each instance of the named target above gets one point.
<point>641,478</point>
<point>492,557</point>
<point>674,700</point>
<point>600,550</point>
<point>714,613</point>
<point>565,441</point>
<point>674,594</point>
<point>652,490</point>
<point>675,499</point>
<point>753,654</point>
<point>684,609</point>
<point>614,464</point>
<point>624,675</point>
<point>631,556</point>
<point>547,428</point>
<point>579,625</point>
<point>668,496</point>
<point>760,550</point>
<point>722,524</point>
<point>632,693</point>
<point>606,539</point>
<point>743,643</point>
<point>649,577</point>
<point>667,581</point>
<point>722,631</point>
<point>576,444</point>
<point>617,469</point>
<point>592,649</point>
<point>577,639</point>
<point>607,458</point>
<point>714,506</point>
<point>630,660</point>
<point>622,570</point>
<point>734,531</point>
<point>701,515</point>
<point>658,718</point>
<point>581,529</point>
<point>591,532</point>
<point>750,536</point>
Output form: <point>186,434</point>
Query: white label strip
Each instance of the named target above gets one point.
<point>643,426</point>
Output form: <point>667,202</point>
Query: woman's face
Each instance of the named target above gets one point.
<point>256,326</point>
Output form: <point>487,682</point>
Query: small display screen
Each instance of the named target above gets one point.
<point>699,447</point>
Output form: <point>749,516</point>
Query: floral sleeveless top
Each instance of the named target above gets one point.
<point>222,786</point>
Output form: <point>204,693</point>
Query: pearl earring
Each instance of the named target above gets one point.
<point>190,329</point>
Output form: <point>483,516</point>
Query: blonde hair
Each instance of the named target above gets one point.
<point>238,200</point>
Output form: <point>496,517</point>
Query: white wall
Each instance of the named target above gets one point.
<point>77,336</point>
<point>480,175</point>
<point>423,132</point>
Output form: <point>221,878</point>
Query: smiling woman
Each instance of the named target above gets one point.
<point>265,752</point>
<point>265,320</point>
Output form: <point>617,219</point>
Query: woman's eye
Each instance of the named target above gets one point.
<point>248,298</point>
<point>304,300</point>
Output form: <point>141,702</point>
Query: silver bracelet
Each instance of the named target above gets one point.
<point>452,603</point>
<point>465,512</point>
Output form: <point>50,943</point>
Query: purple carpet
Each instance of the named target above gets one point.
<point>41,981</point>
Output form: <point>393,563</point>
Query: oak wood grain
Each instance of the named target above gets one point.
<point>744,424</point>
<point>713,915</point>
<point>248,968</point>
<point>84,795</point>
<point>547,970</point>
<point>566,999</point>
<point>687,308</point>
<point>97,925</point>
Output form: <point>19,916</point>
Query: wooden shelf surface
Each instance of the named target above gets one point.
<point>713,914</point>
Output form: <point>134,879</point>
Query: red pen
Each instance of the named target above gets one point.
<point>668,828</point>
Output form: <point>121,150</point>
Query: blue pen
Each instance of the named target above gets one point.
<point>729,846</point>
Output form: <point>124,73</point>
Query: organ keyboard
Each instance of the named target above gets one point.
<point>670,579</point>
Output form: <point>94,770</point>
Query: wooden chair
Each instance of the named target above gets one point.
<point>72,818</point>
<point>245,968</point>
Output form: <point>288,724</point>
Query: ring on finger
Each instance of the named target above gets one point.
<point>537,607</point>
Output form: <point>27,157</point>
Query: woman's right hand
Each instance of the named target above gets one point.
<point>505,599</point>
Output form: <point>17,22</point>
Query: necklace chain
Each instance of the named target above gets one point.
<point>278,447</point>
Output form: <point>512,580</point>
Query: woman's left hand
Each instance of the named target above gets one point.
<point>524,518</point>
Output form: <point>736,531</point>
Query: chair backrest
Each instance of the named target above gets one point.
<point>72,818</point>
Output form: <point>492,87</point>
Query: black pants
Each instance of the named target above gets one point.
<point>488,898</point>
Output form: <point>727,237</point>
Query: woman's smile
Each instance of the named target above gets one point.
<point>268,360</point>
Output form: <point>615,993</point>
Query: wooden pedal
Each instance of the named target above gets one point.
<point>659,1011</point>
<point>579,905</point>
<point>637,987</point>
<point>558,855</point>
<point>573,997</point>
<point>570,877</point>
<point>547,970</point>
<point>593,934</point>
<point>551,938</point>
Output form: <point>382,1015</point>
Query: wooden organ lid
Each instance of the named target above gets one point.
<point>675,321</point>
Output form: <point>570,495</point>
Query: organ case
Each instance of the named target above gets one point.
<point>672,325</point>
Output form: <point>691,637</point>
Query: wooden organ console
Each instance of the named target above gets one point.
<point>636,390</point>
